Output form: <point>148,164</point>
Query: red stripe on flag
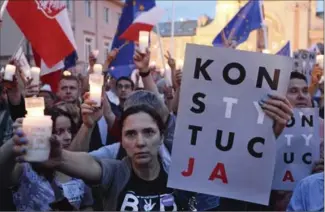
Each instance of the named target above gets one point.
<point>52,79</point>
<point>44,34</point>
<point>132,32</point>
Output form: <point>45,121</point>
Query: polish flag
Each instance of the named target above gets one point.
<point>46,24</point>
<point>53,75</point>
<point>144,22</point>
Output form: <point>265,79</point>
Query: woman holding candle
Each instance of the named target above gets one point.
<point>36,187</point>
<point>139,181</point>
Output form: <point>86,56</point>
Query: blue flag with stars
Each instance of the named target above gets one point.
<point>124,59</point>
<point>285,51</point>
<point>248,18</point>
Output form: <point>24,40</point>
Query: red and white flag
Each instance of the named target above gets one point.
<point>144,22</point>
<point>46,24</point>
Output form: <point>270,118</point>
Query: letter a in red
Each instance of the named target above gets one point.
<point>220,167</point>
<point>190,168</point>
<point>288,176</point>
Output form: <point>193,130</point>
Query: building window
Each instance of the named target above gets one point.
<point>106,15</point>
<point>88,8</point>
<point>107,48</point>
<point>69,5</point>
<point>89,46</point>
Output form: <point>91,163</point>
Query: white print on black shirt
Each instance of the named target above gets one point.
<point>164,202</point>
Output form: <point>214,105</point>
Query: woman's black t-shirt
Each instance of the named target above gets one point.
<point>142,195</point>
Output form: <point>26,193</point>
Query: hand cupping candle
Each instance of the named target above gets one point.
<point>38,130</point>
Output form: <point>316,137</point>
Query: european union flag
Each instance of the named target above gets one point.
<point>132,8</point>
<point>285,51</point>
<point>248,18</point>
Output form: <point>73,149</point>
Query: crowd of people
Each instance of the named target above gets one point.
<point>116,156</point>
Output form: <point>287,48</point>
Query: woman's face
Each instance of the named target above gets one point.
<point>63,131</point>
<point>141,138</point>
<point>72,109</point>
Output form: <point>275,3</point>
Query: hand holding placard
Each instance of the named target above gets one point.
<point>228,86</point>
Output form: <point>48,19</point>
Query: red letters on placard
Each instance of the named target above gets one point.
<point>219,172</point>
<point>190,168</point>
<point>288,176</point>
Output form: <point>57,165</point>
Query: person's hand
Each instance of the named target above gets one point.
<point>171,61</point>
<point>318,166</point>
<point>141,60</point>
<point>17,125</point>
<point>20,143</point>
<point>279,109</point>
<point>168,92</point>
<point>178,78</point>
<point>31,90</point>
<point>90,113</point>
<point>112,55</point>
<point>316,75</point>
<point>92,60</point>
<point>107,109</point>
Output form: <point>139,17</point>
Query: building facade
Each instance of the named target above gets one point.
<point>93,22</point>
<point>294,21</point>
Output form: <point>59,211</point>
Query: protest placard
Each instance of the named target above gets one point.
<point>224,144</point>
<point>298,148</point>
<point>304,62</point>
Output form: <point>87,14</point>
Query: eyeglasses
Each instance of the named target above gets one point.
<point>126,86</point>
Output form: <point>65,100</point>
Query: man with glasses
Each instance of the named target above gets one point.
<point>124,87</point>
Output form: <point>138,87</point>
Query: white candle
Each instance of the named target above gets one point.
<point>35,73</point>
<point>95,93</point>
<point>9,72</point>
<point>35,106</point>
<point>96,79</point>
<point>143,41</point>
<point>38,130</point>
<point>66,73</point>
<point>98,68</point>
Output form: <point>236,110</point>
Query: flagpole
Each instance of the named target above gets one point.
<point>3,8</point>
<point>172,40</point>
<point>263,25</point>
<point>19,45</point>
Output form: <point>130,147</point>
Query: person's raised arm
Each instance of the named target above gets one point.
<point>141,62</point>
<point>108,113</point>
<point>178,79</point>
<point>10,170</point>
<point>90,116</point>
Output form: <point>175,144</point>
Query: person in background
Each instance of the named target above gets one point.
<point>308,194</point>
<point>49,97</point>
<point>299,97</point>
<point>69,89</point>
<point>34,186</point>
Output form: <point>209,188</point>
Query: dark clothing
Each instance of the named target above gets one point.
<point>17,111</point>
<point>237,205</point>
<point>141,195</point>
